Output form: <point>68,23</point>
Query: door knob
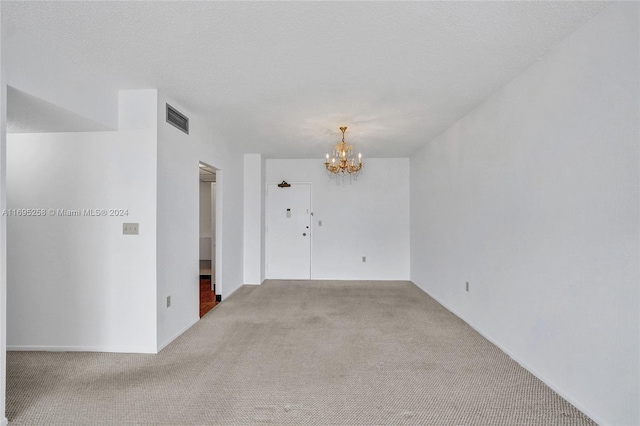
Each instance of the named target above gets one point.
<point>304,234</point>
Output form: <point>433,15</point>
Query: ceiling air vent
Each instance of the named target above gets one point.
<point>176,119</point>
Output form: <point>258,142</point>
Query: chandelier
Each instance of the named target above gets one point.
<point>342,160</point>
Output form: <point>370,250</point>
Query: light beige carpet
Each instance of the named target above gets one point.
<point>295,352</point>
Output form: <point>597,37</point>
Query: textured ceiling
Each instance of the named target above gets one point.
<point>279,78</point>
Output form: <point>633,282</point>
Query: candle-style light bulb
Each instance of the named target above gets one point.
<point>327,158</point>
<point>359,157</point>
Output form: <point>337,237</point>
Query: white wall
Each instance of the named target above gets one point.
<point>229,216</point>
<point>253,218</point>
<point>178,223</point>
<point>212,198</point>
<point>3,233</point>
<point>263,212</point>
<point>78,283</point>
<point>369,217</point>
<point>86,298</point>
<point>205,210</point>
<point>533,199</point>
<point>206,223</point>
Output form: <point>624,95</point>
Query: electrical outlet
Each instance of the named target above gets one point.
<point>130,228</point>
<point>168,301</point>
<point>467,286</point>
<point>319,223</point>
<point>364,258</point>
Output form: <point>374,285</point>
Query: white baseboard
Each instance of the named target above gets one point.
<point>4,422</point>
<point>522,363</point>
<point>113,349</point>
<point>178,334</point>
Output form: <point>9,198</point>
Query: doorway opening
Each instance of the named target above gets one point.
<point>209,296</point>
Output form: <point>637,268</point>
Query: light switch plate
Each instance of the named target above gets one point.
<point>130,228</point>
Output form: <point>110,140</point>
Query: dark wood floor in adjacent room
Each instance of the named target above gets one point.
<point>207,296</point>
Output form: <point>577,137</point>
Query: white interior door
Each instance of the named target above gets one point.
<point>288,231</point>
